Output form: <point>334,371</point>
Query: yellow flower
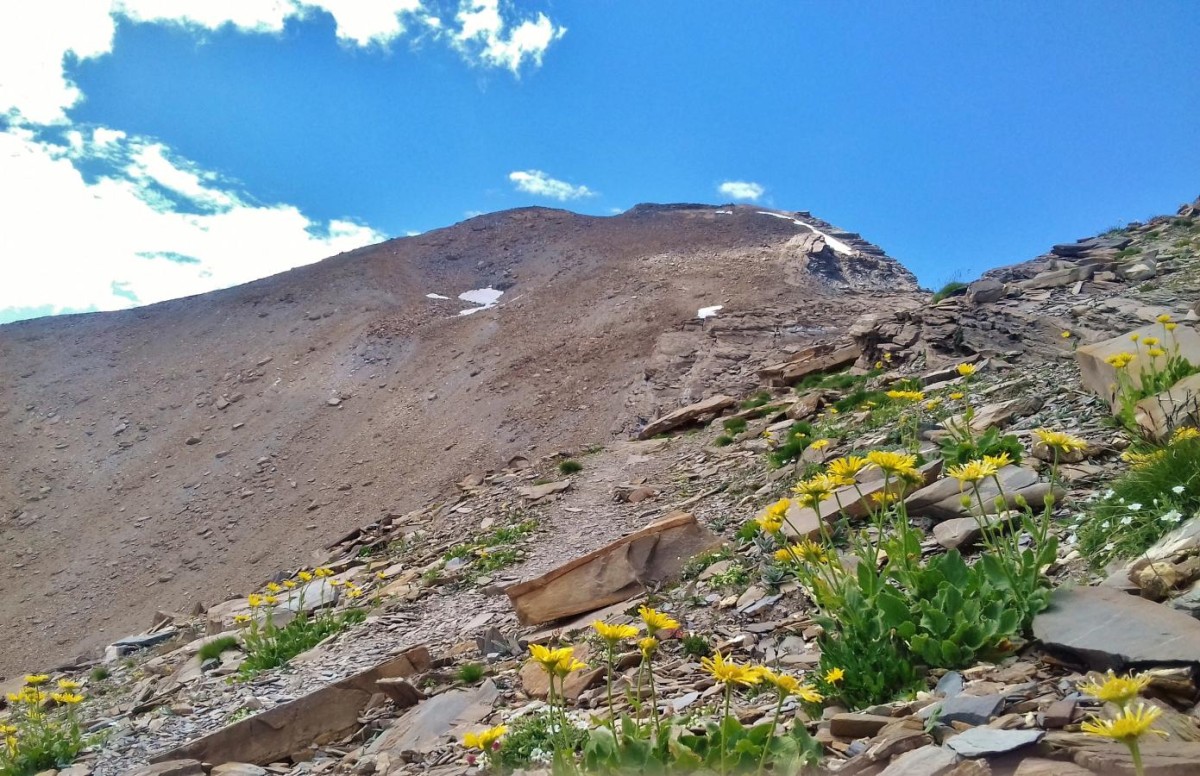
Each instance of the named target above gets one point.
<point>656,621</point>
<point>906,395</point>
<point>1119,360</point>
<point>1184,433</point>
<point>1149,341</point>
<point>934,403</point>
<point>966,370</point>
<point>33,680</point>
<point>323,572</point>
<point>1065,334</point>
<point>728,672</point>
<point>1156,352</point>
<point>254,600</point>
<point>1116,689</point>
<point>1142,460</point>
<point>846,468</point>
<point>887,356</point>
<point>270,600</point>
<point>66,698</point>
<point>804,550</point>
<point>890,462</point>
<point>815,489</point>
<point>241,618</point>
<point>484,741</point>
<point>1164,318</point>
<point>354,591</point>
<point>884,497</point>
<point>32,695</point>
<point>11,743</point>
<point>1132,723</point>
<point>305,576</point>
<point>770,522</point>
<point>289,583</point>
<point>614,633</point>
<point>67,684</point>
<point>647,646</point>
<point>833,410</point>
<point>549,658</point>
<point>380,575</point>
<point>1057,440</point>
<point>337,582</point>
<point>1170,326</point>
<point>7,730</point>
<point>1135,336</point>
<point>787,685</point>
<point>834,675</point>
<point>568,665</point>
<point>957,395</point>
<point>1000,460</point>
<point>273,588</point>
<point>972,471</point>
<point>819,444</point>
<point>879,365</point>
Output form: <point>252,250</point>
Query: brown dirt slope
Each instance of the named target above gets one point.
<point>174,454</point>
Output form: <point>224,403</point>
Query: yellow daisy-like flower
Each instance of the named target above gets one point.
<point>1164,318</point>
<point>1156,352</point>
<point>966,370</point>
<point>1134,721</point>
<point>835,675</point>
<point>7,730</point>
<point>887,356</point>
<point>354,591</point>
<point>254,600</point>
<point>647,646</point>
<point>305,576</point>
<point>972,471</point>
<point>957,395</point>
<point>846,468</point>
<point>1058,440</point>
<point>34,680</point>
<point>614,633</point>
<point>270,600</point>
<point>1135,336</point>
<point>567,666</point>
<point>1065,334</point>
<point>656,621</point>
<point>1184,433</point>
<point>289,583</point>
<point>337,582</point>
<point>815,489</point>
<point>1000,460</point>
<point>549,658</point>
<point>273,587</point>
<point>819,444</point>
<point>770,523</point>
<point>66,698</point>
<point>241,618</point>
<point>787,685</point>
<point>1119,360</point>
<point>1116,689</point>
<point>484,740</point>
<point>883,498</point>
<point>891,462</point>
<point>1149,341</point>
<point>804,550</point>
<point>323,572</point>
<point>905,395</point>
<point>728,671</point>
<point>879,365</point>
<point>33,696</point>
<point>1142,460</point>
<point>934,403</point>
<point>834,410</point>
<point>1170,326</point>
<point>68,684</point>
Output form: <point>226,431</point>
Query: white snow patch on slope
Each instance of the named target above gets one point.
<point>832,242</point>
<point>708,312</point>
<point>436,296</point>
<point>485,297</point>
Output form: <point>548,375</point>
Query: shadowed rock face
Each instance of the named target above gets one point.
<point>176,454</point>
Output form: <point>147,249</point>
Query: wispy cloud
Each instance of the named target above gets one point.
<point>540,184</point>
<point>486,37</point>
<point>742,190</point>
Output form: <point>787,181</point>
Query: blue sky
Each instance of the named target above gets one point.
<point>157,148</point>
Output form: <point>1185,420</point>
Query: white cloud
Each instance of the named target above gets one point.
<point>541,184</point>
<point>486,37</point>
<point>149,226</point>
<point>742,190</point>
<point>36,38</point>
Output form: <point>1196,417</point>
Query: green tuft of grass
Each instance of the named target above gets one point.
<point>469,673</point>
<point>695,645</point>
<point>947,290</point>
<point>757,400</point>
<point>734,426</point>
<point>1143,504</point>
<point>99,674</point>
<point>798,437</point>
<point>693,567</point>
<point>211,650</point>
<point>1129,252</point>
<point>570,466</point>
<point>723,441</point>
<point>270,646</point>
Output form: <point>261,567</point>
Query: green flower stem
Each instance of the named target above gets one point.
<point>725,716</point>
<point>1135,753</point>
<point>762,760</point>
<point>612,716</point>
<point>653,699</point>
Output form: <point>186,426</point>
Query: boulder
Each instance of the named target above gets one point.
<point>308,598</point>
<point>813,360</point>
<point>1159,415</point>
<point>943,499</point>
<point>1107,628</point>
<point>1058,277</point>
<point>964,532</point>
<point>968,709</point>
<point>929,760</point>
<point>536,684</point>
<point>854,501</point>
<point>1161,757</point>
<point>988,742</point>
<point>985,291</point>
<point>181,767</point>
<point>327,714</point>
<point>1100,378</point>
<point>999,415</point>
<point>701,411</point>
<point>1090,245</point>
<point>615,572</point>
<point>436,721</point>
<point>539,492</point>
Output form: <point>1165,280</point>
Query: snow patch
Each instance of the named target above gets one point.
<point>832,242</point>
<point>723,212</point>
<point>484,297</point>
<point>436,296</point>
<point>708,312</point>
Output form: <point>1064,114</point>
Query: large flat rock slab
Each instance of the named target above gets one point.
<point>325,715</point>
<point>615,572</point>
<point>1100,378</point>
<point>700,412</point>
<point>435,721</point>
<point>1111,629</point>
<point>819,358</point>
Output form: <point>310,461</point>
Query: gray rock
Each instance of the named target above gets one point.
<point>1111,629</point>
<point>986,741</point>
<point>984,291</point>
<point>969,709</point>
<point>950,684</point>
<point>141,641</point>
<point>929,760</point>
<point>169,768</point>
<point>1141,270</point>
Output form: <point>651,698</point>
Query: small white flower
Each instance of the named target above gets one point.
<point>1127,520</point>
<point>1109,547</point>
<point>1177,490</point>
<point>1173,516</point>
<point>1134,507</point>
<point>1105,525</point>
<point>1109,493</point>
